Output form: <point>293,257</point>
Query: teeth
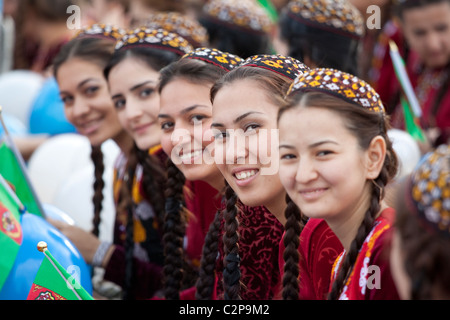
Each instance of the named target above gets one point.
<point>245,174</point>
<point>187,156</point>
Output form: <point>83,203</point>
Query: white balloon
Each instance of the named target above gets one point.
<point>56,159</point>
<point>18,90</point>
<point>407,151</point>
<point>62,174</point>
<point>75,198</point>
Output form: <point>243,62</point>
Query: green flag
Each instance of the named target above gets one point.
<point>53,282</point>
<point>13,171</point>
<point>411,108</point>
<point>10,233</point>
<point>411,122</point>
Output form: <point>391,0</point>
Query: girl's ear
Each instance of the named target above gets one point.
<point>375,156</point>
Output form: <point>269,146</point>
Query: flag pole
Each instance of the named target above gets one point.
<point>404,79</point>
<point>13,195</point>
<point>42,247</point>
<point>18,155</point>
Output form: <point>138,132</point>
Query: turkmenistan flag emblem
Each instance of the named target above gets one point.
<point>9,225</point>
<point>53,282</point>
<point>10,230</point>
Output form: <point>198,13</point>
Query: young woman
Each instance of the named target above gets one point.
<point>245,107</point>
<point>185,112</point>
<point>420,255</point>
<point>426,27</point>
<point>335,161</point>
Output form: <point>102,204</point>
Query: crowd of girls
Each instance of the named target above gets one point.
<point>250,173</point>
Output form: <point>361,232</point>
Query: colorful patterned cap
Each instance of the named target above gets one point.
<point>98,30</point>
<point>430,189</point>
<point>224,60</point>
<point>338,16</point>
<point>185,26</point>
<point>155,38</point>
<point>286,66</point>
<point>340,84</point>
<point>246,14</point>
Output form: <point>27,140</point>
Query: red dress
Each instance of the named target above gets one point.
<point>260,233</point>
<point>370,278</point>
<point>319,248</point>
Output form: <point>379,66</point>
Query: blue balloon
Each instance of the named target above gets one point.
<point>47,112</point>
<point>13,125</point>
<point>28,260</point>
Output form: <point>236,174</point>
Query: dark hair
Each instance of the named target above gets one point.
<point>295,223</point>
<point>97,51</point>
<point>155,58</point>
<point>194,71</point>
<point>364,125</point>
<point>236,40</point>
<point>323,47</point>
<point>275,86</point>
<point>404,5</point>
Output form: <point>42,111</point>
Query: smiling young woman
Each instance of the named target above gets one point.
<point>335,161</point>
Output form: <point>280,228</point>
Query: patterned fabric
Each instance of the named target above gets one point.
<point>340,84</point>
<point>242,13</point>
<point>185,26</point>
<point>224,60</point>
<point>155,38</point>
<point>101,31</point>
<point>147,232</point>
<point>286,66</point>
<point>334,15</point>
<point>430,189</point>
<point>319,248</point>
<point>370,277</point>
<point>260,234</point>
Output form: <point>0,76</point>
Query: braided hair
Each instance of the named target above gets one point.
<point>97,198</point>
<point>206,277</point>
<point>365,125</point>
<point>294,225</point>
<point>178,273</point>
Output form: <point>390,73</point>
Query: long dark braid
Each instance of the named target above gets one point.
<point>174,231</point>
<point>153,177</point>
<point>207,274</point>
<point>126,204</point>
<point>97,198</point>
<point>378,186</point>
<point>231,260</point>
<point>293,228</point>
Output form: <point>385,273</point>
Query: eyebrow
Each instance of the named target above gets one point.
<point>135,87</point>
<point>81,84</point>
<point>245,115</point>
<point>238,119</point>
<point>184,111</point>
<point>311,146</point>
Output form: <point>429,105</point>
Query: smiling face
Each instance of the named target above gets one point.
<point>322,166</point>
<point>87,103</point>
<point>185,119</point>
<point>133,90</point>
<point>427,30</point>
<point>246,149</point>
